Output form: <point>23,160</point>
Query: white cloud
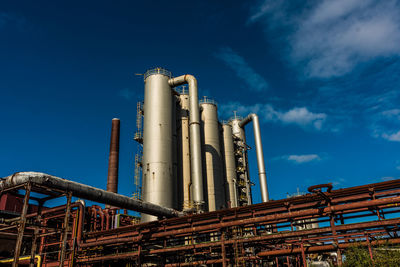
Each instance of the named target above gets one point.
<point>385,125</point>
<point>392,114</point>
<point>394,137</point>
<point>303,158</point>
<point>303,117</point>
<point>242,69</point>
<point>329,38</point>
<point>299,116</point>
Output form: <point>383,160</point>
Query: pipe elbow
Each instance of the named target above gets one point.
<point>187,78</point>
<point>253,115</point>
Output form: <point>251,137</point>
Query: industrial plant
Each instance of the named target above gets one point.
<point>193,190</point>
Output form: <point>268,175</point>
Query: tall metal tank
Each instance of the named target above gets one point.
<point>212,166</point>
<point>243,181</point>
<point>230,165</point>
<point>184,175</point>
<point>157,165</point>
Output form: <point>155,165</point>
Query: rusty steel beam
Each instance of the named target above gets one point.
<point>160,232</point>
<point>21,226</point>
<point>66,229</point>
<point>260,223</point>
<point>201,262</point>
<point>324,248</point>
<point>251,239</point>
<point>35,236</point>
<point>225,214</point>
<point>109,257</point>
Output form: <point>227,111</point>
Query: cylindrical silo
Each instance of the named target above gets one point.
<point>212,156</point>
<point>157,167</point>
<point>184,152</point>
<point>230,165</point>
<point>243,181</point>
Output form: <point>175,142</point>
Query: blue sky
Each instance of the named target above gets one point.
<point>322,75</point>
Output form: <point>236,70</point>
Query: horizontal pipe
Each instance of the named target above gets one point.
<point>193,263</point>
<point>257,239</point>
<point>260,155</point>
<point>86,192</point>
<point>268,219</point>
<point>109,257</point>
<point>312,249</point>
<point>194,133</point>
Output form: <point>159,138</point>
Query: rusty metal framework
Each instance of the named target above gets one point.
<point>282,232</point>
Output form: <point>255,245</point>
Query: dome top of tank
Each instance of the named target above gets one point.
<point>157,70</point>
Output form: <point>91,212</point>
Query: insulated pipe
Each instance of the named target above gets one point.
<point>86,192</point>
<point>260,155</point>
<point>112,177</point>
<point>195,142</point>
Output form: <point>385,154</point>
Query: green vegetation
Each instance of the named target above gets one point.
<point>384,255</point>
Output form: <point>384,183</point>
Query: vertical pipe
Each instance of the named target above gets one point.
<point>81,221</point>
<point>223,249</point>
<point>21,226</point>
<point>260,154</point>
<point>230,166</point>
<point>260,160</point>
<point>195,141</point>
<point>34,247</point>
<point>35,235</point>
<point>174,154</point>
<point>112,178</point>
<point>303,254</point>
<point>184,151</point>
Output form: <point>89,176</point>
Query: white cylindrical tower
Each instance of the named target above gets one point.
<point>158,181</point>
<point>212,167</point>
<point>230,165</point>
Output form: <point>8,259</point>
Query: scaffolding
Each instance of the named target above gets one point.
<point>139,152</point>
<point>240,149</point>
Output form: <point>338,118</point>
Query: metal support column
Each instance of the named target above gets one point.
<point>369,247</point>
<point>303,255</point>
<point>223,248</point>
<point>21,225</point>
<point>66,229</point>
<point>35,235</point>
<point>333,227</point>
